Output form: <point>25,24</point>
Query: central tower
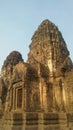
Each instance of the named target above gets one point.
<point>48,47</point>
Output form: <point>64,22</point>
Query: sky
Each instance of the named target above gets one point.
<point>20,18</point>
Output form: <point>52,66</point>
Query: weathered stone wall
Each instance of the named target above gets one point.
<point>38,94</point>
<point>69,90</point>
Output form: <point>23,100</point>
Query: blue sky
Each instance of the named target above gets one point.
<point>20,18</point>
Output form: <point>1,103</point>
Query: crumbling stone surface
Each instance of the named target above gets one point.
<point>38,94</point>
<point>12,59</point>
<point>48,43</point>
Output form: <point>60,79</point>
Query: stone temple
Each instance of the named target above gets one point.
<point>38,94</point>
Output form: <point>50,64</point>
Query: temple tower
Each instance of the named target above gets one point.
<point>48,46</point>
<point>38,94</point>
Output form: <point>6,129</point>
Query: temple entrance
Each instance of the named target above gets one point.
<point>19,98</point>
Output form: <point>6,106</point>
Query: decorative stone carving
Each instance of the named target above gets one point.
<point>38,94</point>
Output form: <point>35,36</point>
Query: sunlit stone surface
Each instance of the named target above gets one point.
<point>38,94</point>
